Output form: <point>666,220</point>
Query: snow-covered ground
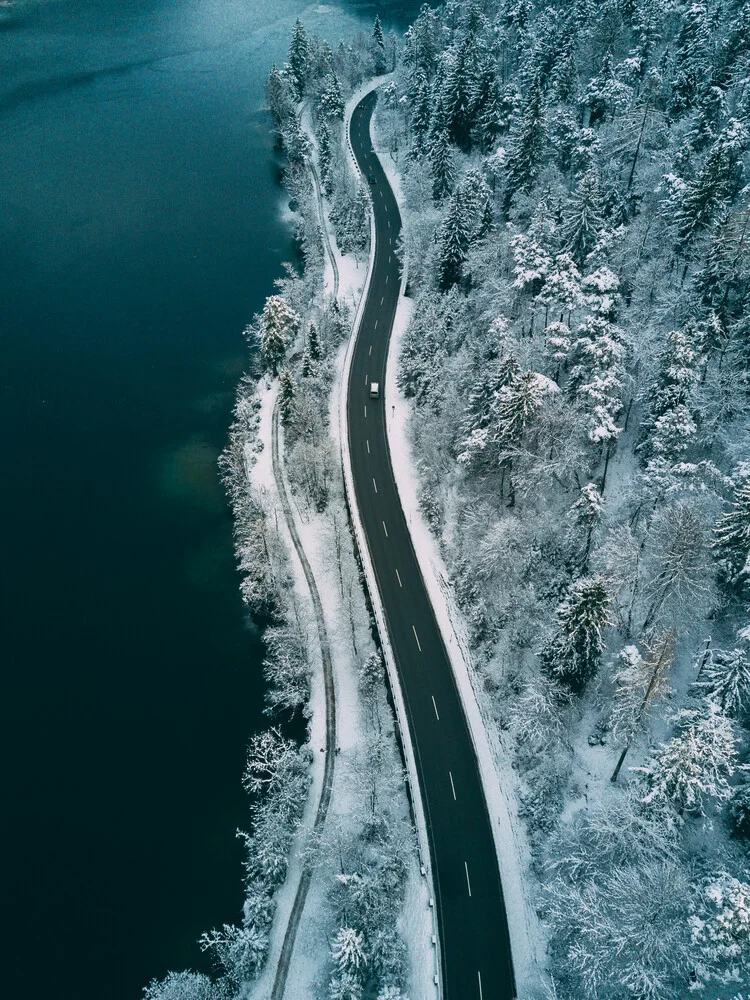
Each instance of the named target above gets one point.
<point>500,783</point>
<point>310,958</point>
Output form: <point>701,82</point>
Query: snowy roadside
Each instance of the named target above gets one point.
<point>528,939</point>
<point>350,642</point>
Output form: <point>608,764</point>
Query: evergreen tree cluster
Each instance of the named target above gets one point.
<point>576,179</point>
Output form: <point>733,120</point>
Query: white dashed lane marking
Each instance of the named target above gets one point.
<point>468,883</point>
<point>435,707</point>
<point>453,787</point>
<point>399,579</point>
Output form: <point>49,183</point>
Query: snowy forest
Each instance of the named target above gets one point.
<point>576,239</point>
<point>576,226</point>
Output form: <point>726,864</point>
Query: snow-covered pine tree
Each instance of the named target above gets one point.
<point>278,324</point>
<point>421,113</point>
<point>287,394</point>
<point>726,679</point>
<point>732,540</point>
<point>348,950</point>
<point>515,409</point>
<point>391,993</point>
<point>378,48</point>
<point>323,135</point>
<point>583,218</point>
<point>314,348</point>
<point>527,146</point>
<point>345,987</point>
<point>573,651</point>
<point>452,240</point>
<point>723,280</point>
<point>716,184</point>
<point>331,101</point>
<point>299,57</point>
<point>280,96</point>
<point>693,47</point>
<point>442,164</point>
<point>586,513</point>
<point>669,428</point>
<point>695,766</point>
<point>489,120</point>
<point>597,373</point>
<point>480,410</point>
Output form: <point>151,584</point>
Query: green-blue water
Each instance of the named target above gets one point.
<point>140,229</point>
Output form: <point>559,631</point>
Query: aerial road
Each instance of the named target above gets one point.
<point>473,927</point>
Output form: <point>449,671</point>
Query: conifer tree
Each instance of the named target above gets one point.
<point>714,185</point>
<point>378,47</point>
<point>488,117</point>
<point>732,540</point>
<point>516,407</point>
<point>323,135</point>
<point>314,348</point>
<point>527,147</point>
<point>287,395</point>
<point>669,427</point>
<point>726,679</point>
<point>280,98</point>
<point>421,114</point>
<point>694,767</point>
<point>442,164</point>
<point>723,281</point>
<point>331,102</point>
<point>453,243</point>
<point>692,48</point>
<point>583,218</point>
<point>278,323</point>
<point>299,57</point>
<point>573,651</point>
<point>586,512</point>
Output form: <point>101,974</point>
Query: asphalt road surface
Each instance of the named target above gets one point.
<point>476,957</point>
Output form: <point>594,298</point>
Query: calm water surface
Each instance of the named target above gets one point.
<point>140,229</point>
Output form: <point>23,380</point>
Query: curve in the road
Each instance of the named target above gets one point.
<point>475,944</point>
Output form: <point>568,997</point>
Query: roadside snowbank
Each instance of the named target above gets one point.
<point>528,942</point>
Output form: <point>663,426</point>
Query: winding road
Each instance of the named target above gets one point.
<point>476,959</point>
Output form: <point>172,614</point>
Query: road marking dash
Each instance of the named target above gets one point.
<point>453,787</point>
<point>416,637</point>
<point>435,707</point>
<point>365,411</point>
<point>374,484</point>
<point>384,528</point>
<point>399,579</point>
<point>365,379</point>
<point>369,353</point>
<point>376,324</point>
<point>381,299</point>
<point>479,977</point>
<point>468,883</point>
<point>368,447</point>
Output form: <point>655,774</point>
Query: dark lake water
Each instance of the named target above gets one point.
<point>140,228</point>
